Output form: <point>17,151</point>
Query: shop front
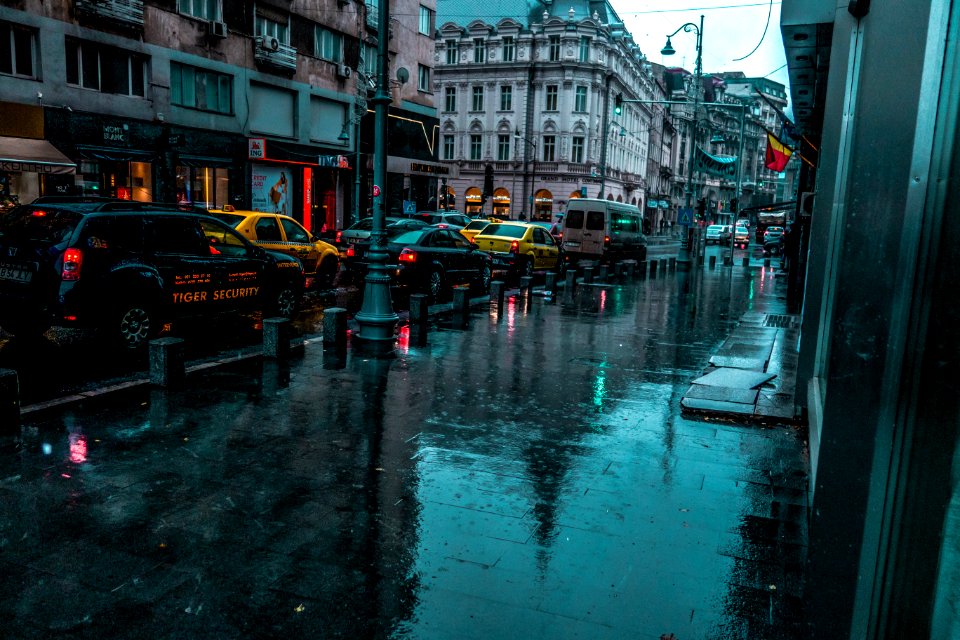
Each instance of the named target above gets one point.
<point>30,166</point>
<point>414,184</point>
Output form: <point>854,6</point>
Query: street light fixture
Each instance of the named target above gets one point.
<point>668,50</point>
<point>533,170</point>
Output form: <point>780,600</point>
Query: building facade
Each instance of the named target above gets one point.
<point>255,105</point>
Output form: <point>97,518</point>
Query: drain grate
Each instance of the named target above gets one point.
<point>781,321</point>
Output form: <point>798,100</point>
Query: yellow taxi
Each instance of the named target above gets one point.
<point>321,260</point>
<point>520,247</point>
<point>476,226</point>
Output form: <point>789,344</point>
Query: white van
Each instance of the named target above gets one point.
<point>603,230</point>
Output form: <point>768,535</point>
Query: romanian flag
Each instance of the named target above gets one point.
<point>778,154</point>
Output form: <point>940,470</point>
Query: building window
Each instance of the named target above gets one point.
<point>208,187</point>
<point>427,17</point>
<point>453,54</point>
<point>17,50</point>
<point>447,147</point>
<point>203,9</point>
<point>476,146</point>
<point>423,78</point>
<point>509,49</point>
<point>580,101</point>
<point>506,98</point>
<point>584,49</point>
<point>503,147</point>
<point>200,89</point>
<point>551,98</point>
<point>328,45</point>
<point>478,99</point>
<point>373,12</point>
<point>268,27</point>
<point>105,69</point>
<point>479,50</point>
<point>576,153</point>
<point>549,148</point>
<point>450,99</point>
<point>554,48</point>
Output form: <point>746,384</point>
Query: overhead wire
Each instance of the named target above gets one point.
<point>762,36</point>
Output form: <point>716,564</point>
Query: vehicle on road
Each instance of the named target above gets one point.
<point>603,230</point>
<point>555,229</point>
<point>521,248</point>
<point>471,230</point>
<point>430,260</point>
<point>741,237</point>
<point>713,234</point>
<point>449,218</point>
<point>772,234</point>
<point>129,272</point>
<point>276,232</point>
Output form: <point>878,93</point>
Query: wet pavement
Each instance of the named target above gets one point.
<point>530,476</point>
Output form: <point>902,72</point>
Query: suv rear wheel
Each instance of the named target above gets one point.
<point>284,302</point>
<point>135,324</point>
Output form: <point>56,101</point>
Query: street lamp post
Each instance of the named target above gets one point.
<point>533,170</point>
<point>668,50</point>
<point>376,317</point>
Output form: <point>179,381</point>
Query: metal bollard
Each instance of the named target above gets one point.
<point>9,402</point>
<point>334,326</point>
<point>631,270</point>
<point>728,259</point>
<point>550,282</point>
<point>713,262</point>
<point>663,265</point>
<point>496,293</point>
<point>461,302</point>
<point>642,268</point>
<point>766,262</point>
<point>601,275</point>
<point>672,264</point>
<point>276,338</point>
<point>587,275</point>
<point>653,268</point>
<point>526,285</point>
<point>167,368</point>
<point>700,260</point>
<point>746,261</point>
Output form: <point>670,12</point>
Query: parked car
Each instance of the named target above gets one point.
<point>555,229</point>
<point>433,260</point>
<point>361,230</point>
<point>772,234</point>
<point>449,218</point>
<point>603,230</point>
<point>521,248</point>
<point>714,231</point>
<point>129,272</point>
<point>471,230</point>
<point>321,260</point>
<point>354,257</point>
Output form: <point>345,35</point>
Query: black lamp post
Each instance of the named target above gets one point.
<point>533,170</point>
<point>668,50</point>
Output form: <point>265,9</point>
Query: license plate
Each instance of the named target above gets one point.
<point>13,273</point>
<point>573,245</point>
<point>501,261</point>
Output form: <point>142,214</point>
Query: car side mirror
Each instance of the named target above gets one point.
<point>258,252</point>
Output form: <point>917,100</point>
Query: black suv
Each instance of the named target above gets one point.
<point>130,271</point>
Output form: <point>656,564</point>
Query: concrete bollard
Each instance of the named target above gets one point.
<point>570,283</point>
<point>601,275</point>
<point>653,268</point>
<point>663,265</point>
<point>550,282</point>
<point>334,326</point>
<point>167,368</point>
<point>766,262</point>
<point>526,285</point>
<point>9,403</point>
<point>700,260</point>
<point>461,302</point>
<point>713,262</point>
<point>496,293</point>
<point>728,259</point>
<point>746,261</point>
<point>276,338</point>
<point>588,274</point>
<point>672,264</point>
<point>631,268</point>
<point>419,307</point>
<point>642,269</point>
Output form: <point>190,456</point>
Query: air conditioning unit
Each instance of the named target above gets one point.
<point>268,43</point>
<point>217,29</point>
<point>343,71</point>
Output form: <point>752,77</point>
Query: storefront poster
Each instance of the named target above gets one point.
<point>271,189</point>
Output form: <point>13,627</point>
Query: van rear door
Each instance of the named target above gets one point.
<point>594,232</point>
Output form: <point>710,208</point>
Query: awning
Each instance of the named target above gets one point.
<point>204,161</point>
<point>114,154</point>
<point>33,156</point>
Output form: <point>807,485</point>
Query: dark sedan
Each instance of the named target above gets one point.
<point>431,260</point>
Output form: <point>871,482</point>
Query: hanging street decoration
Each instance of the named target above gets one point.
<point>722,166</point>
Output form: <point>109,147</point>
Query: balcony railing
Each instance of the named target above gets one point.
<point>270,51</point>
<point>128,13</point>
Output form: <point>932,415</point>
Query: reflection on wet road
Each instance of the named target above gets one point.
<point>529,477</point>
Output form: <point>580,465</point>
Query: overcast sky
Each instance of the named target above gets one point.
<point>731,29</point>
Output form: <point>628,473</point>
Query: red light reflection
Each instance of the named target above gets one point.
<point>78,448</point>
<point>403,339</point>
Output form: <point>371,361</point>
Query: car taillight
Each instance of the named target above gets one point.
<point>351,252</point>
<point>39,213</point>
<point>606,239</point>
<point>560,236</point>
<point>515,246</point>
<point>408,256</point>
<point>72,261</point>
<point>339,237</point>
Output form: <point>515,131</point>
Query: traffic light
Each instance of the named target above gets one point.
<point>701,208</point>
<point>488,180</point>
<point>618,104</point>
<point>733,204</point>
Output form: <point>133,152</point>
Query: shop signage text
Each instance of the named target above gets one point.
<point>435,169</point>
<point>35,167</point>
<point>257,148</point>
<point>115,133</point>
